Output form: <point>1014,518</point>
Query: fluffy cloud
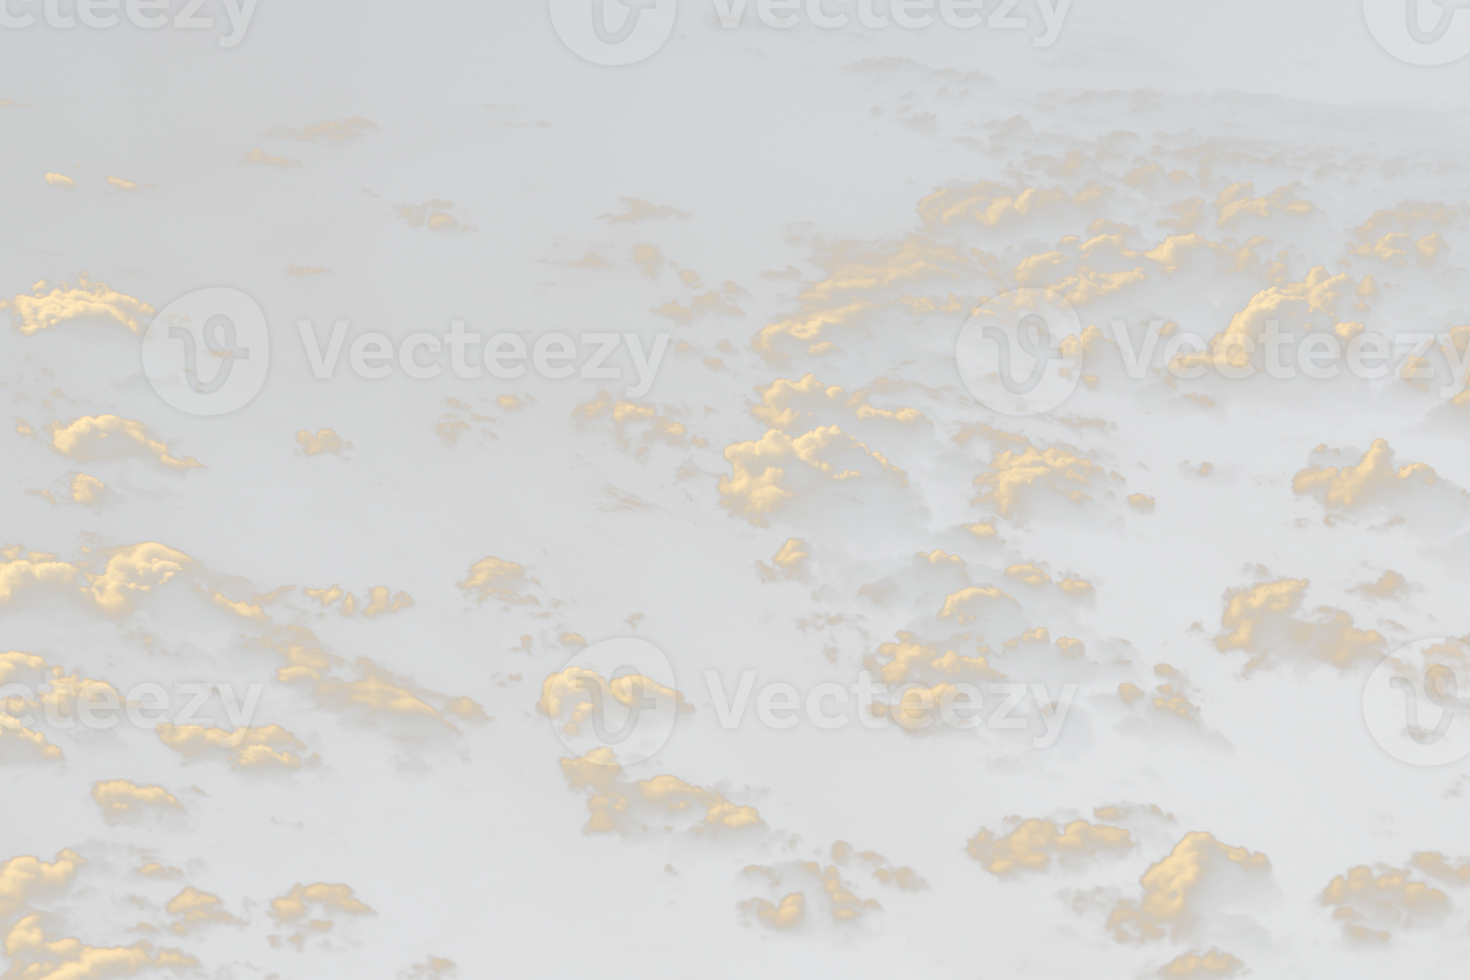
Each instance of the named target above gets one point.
<point>43,310</point>
<point>435,215</point>
<point>332,131</point>
<point>1262,620</point>
<point>1033,845</point>
<point>1369,904</point>
<point>98,437</point>
<point>325,441</point>
<point>1372,479</point>
<point>640,212</point>
<point>121,799</point>
<point>319,916</point>
<point>1016,477</point>
<point>1166,906</point>
<point>637,428</point>
<point>804,899</point>
<point>498,579</point>
<point>192,908</point>
<point>619,804</point>
<point>259,156</point>
<point>769,472</point>
<point>266,748</point>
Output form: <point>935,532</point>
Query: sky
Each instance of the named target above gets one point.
<point>481,498</point>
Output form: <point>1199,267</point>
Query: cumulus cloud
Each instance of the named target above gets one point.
<point>325,917</point>
<point>121,799</point>
<point>331,131</point>
<point>1263,620</point>
<point>1369,904</point>
<point>637,428</point>
<point>1372,480</point>
<point>104,437</point>
<point>618,804</point>
<point>43,310</point>
<point>260,749</point>
<point>434,215</point>
<point>495,578</point>
<point>1035,844</point>
<point>639,210</point>
<point>1016,478</point>
<point>324,442</point>
<point>1199,871</point>
<point>842,903</point>
<point>258,156</point>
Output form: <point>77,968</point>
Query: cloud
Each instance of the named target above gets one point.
<point>1198,863</point>
<point>60,180</point>
<point>1033,845</point>
<point>193,908</point>
<point>40,957</point>
<point>43,310</point>
<point>265,159</point>
<point>121,799</point>
<point>569,693</point>
<point>617,804</point>
<point>268,748</point>
<point>804,899</point>
<point>324,442</point>
<point>379,603</point>
<point>86,489</point>
<point>332,131</point>
<point>498,579</point>
<point>769,472</point>
<point>131,570</point>
<point>22,878</point>
<point>434,215</point>
<point>637,428</point>
<point>1201,965</point>
<point>1374,479</point>
<point>1369,904</point>
<point>325,917</point>
<point>101,437</point>
<point>640,210</point>
<point>1262,620</point>
<point>122,187</point>
<point>1014,478</point>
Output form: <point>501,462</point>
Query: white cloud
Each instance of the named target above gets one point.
<point>804,899</point>
<point>325,917</point>
<point>119,187</point>
<point>504,584</point>
<point>322,442</point>
<point>113,441</point>
<point>684,822</point>
<point>637,428</point>
<point>335,134</point>
<point>150,808</point>
<point>85,309</point>
<point>260,157</point>
<point>1270,625</point>
<point>255,755</point>
<point>434,215</point>
<point>638,212</point>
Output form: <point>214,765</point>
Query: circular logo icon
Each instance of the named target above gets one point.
<point>1014,354</point>
<point>614,32</point>
<point>617,695</point>
<point>1417,703</point>
<point>1420,32</point>
<point>207,352</point>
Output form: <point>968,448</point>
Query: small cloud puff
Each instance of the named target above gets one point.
<point>43,310</point>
